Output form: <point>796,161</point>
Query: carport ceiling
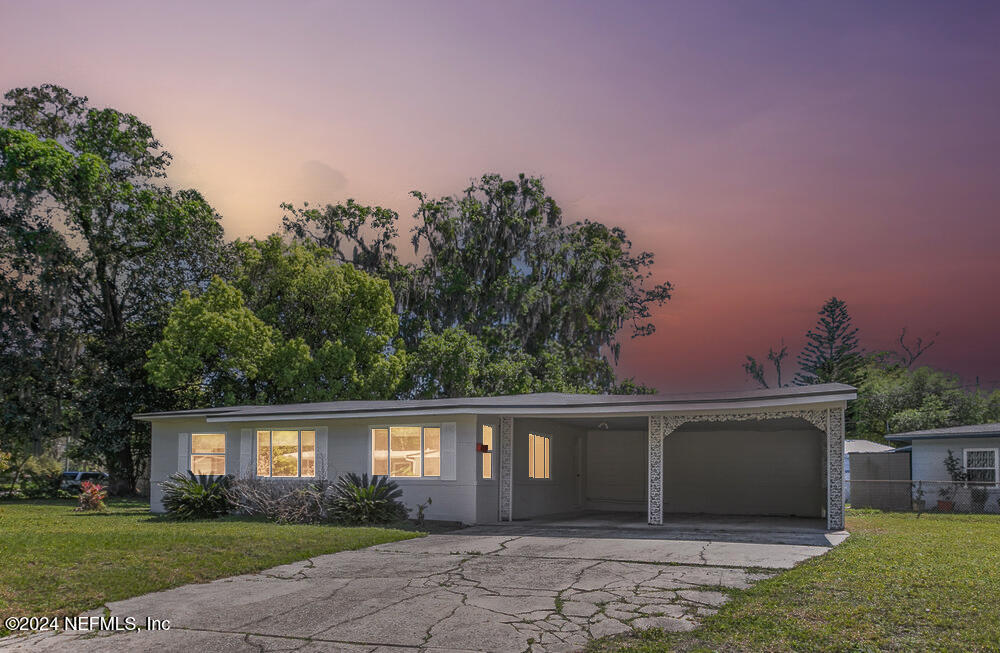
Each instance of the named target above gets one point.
<point>613,423</point>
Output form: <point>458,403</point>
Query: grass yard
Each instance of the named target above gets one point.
<point>54,561</point>
<point>898,584</point>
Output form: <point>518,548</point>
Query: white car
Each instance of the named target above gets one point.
<point>73,481</point>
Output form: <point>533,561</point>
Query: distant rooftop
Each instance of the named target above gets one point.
<point>864,446</point>
<point>546,401</point>
<point>971,431</point>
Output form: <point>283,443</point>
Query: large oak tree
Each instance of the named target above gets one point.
<point>96,247</point>
<point>499,263</point>
<point>293,325</point>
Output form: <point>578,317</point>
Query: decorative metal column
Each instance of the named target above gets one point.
<point>655,472</point>
<point>506,469</point>
<point>835,469</point>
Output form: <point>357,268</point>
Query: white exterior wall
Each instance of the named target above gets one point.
<point>166,454</point>
<point>927,460</point>
<point>563,491</point>
<point>488,490</point>
<point>347,447</point>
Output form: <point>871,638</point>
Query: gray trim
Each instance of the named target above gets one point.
<point>987,430</point>
<point>942,436</point>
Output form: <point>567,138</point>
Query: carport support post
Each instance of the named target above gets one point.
<point>655,472</point>
<point>835,469</point>
<point>506,469</point>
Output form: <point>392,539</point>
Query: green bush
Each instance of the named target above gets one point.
<point>359,500</point>
<point>41,477</point>
<point>187,496</point>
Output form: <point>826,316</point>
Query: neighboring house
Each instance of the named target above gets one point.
<point>490,459</point>
<point>976,446</point>
<point>858,446</point>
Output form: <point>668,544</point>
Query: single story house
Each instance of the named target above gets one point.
<point>493,459</point>
<point>977,448</point>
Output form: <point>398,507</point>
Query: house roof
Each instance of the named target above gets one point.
<point>548,403</point>
<point>865,446</point>
<point>971,431</point>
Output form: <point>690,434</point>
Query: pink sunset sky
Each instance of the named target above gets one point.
<point>769,154</point>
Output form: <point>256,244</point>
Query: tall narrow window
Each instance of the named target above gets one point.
<point>208,454</point>
<point>487,451</point>
<point>308,440</point>
<point>406,451</point>
<point>380,452</point>
<point>538,456</point>
<point>432,452</point>
<point>286,454</point>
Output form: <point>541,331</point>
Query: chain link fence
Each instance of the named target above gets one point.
<point>925,496</point>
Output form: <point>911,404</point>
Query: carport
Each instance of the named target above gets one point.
<point>750,454</point>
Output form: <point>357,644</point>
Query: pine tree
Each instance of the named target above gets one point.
<point>831,354</point>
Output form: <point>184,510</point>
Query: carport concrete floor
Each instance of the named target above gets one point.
<point>543,585</point>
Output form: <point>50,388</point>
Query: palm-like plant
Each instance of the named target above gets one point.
<point>188,496</point>
<point>360,500</point>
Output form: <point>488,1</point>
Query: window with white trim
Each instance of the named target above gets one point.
<point>982,466</point>
<point>487,451</point>
<point>208,454</point>
<point>286,453</point>
<point>538,456</point>
<point>406,451</point>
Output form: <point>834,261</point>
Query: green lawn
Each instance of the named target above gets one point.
<point>54,561</point>
<point>898,584</point>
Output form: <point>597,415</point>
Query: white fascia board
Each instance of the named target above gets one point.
<point>556,412</point>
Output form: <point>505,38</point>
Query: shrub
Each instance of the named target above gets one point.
<point>284,502</point>
<point>41,478</point>
<point>187,496</point>
<point>92,496</point>
<point>421,510</point>
<point>358,500</point>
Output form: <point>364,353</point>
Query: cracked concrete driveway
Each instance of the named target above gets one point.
<point>503,588</point>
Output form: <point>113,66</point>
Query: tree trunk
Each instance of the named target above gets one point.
<point>123,474</point>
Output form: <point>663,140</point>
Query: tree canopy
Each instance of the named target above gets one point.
<point>120,294</point>
<point>831,353</point>
<point>893,398</point>
<point>893,395</point>
<point>95,248</point>
<point>498,263</point>
<point>294,325</point>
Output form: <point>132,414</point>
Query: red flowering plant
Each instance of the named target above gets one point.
<point>92,497</point>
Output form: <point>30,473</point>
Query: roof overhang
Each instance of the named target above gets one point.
<point>941,436</point>
<point>546,405</point>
